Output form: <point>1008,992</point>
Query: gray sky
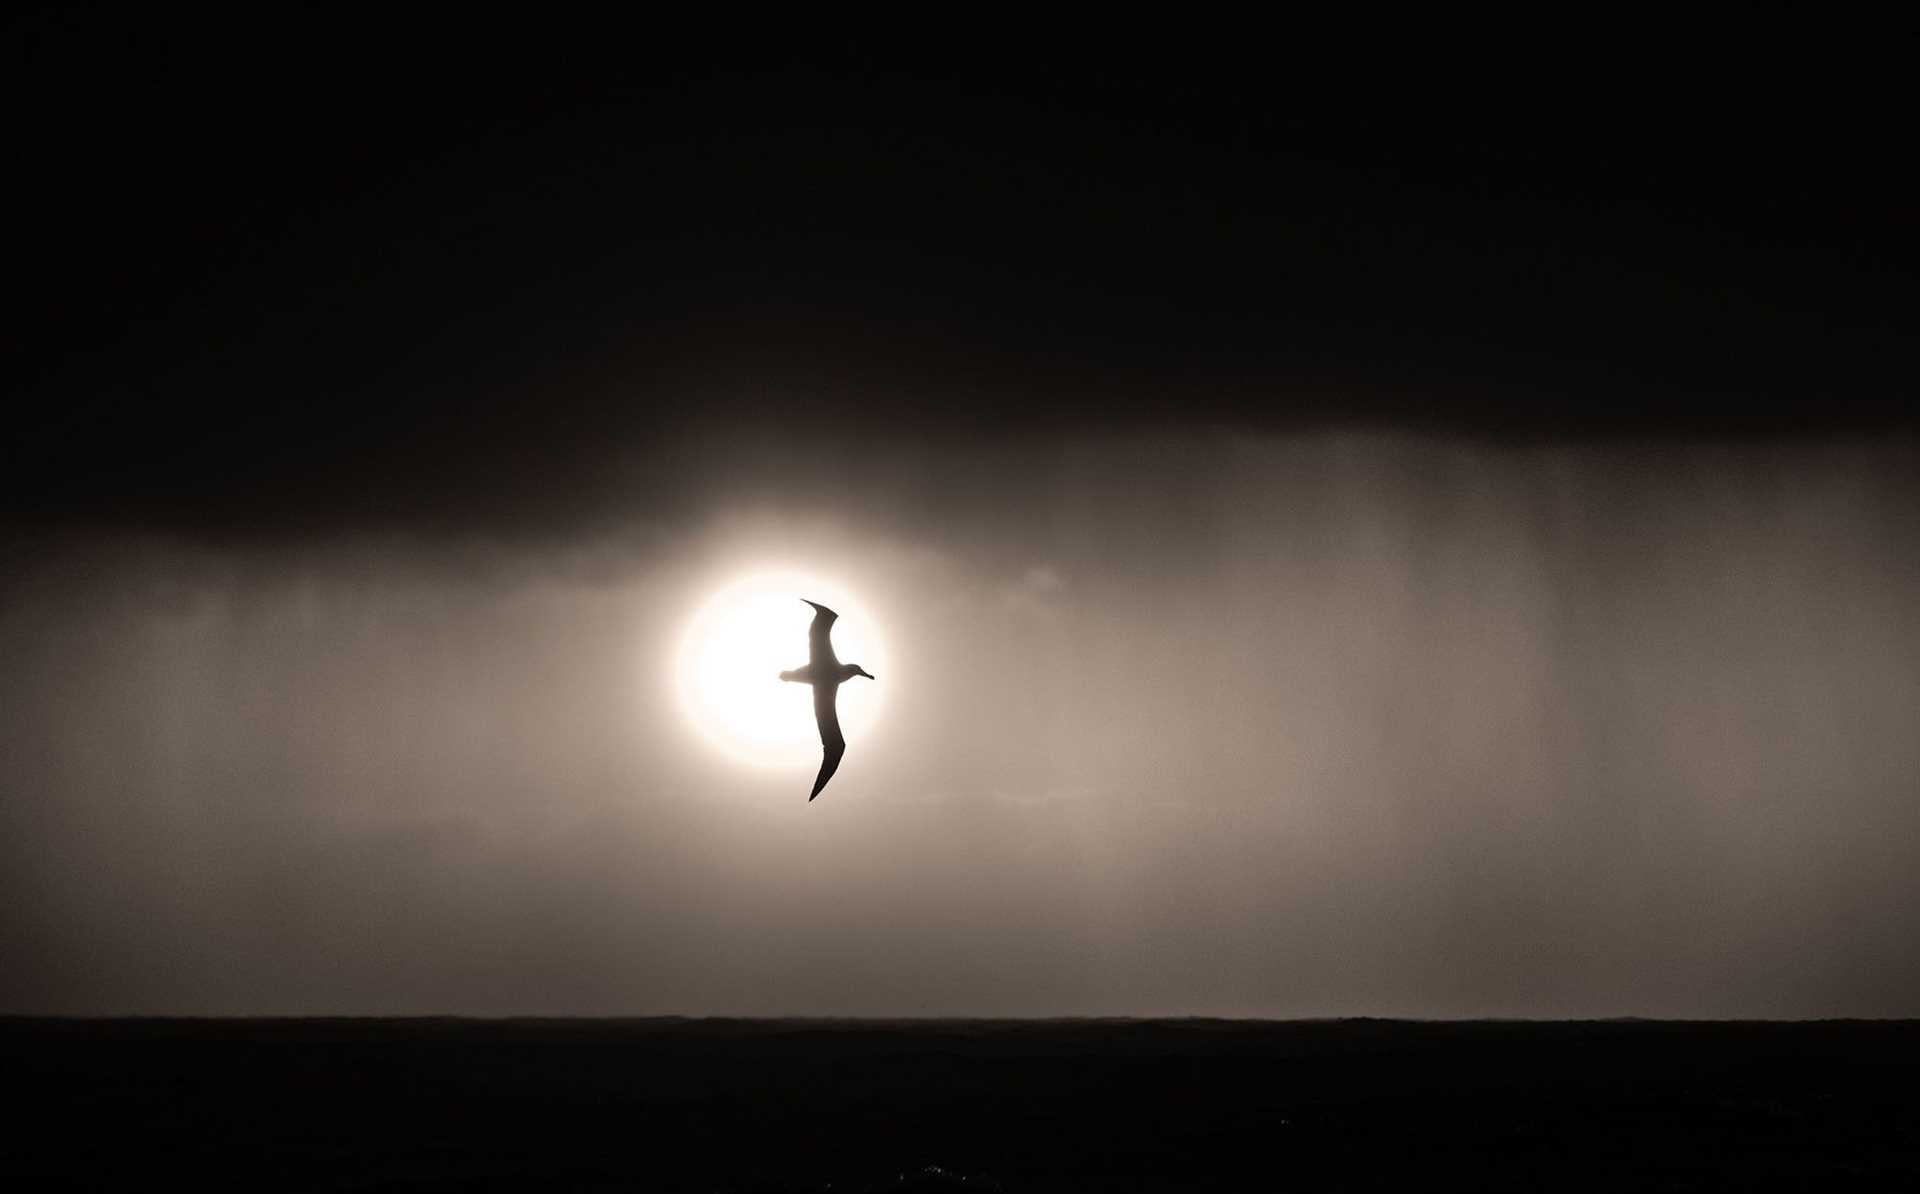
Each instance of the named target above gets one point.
<point>1175,722</point>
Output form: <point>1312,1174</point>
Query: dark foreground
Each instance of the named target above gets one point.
<point>1011,1105</point>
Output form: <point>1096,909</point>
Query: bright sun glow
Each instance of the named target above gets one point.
<point>731,657</point>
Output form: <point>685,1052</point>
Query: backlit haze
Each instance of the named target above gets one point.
<point>1234,725</point>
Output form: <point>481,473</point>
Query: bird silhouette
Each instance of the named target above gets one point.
<point>826,673</point>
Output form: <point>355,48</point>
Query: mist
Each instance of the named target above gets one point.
<point>1195,722</point>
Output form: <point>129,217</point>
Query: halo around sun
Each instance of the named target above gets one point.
<point>732,653</point>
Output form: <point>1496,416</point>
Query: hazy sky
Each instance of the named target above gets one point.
<point>1363,561</point>
<point>1227,724</point>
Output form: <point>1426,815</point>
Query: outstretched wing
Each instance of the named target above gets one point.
<point>833,744</point>
<point>820,655</point>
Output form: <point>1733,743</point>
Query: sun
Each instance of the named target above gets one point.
<point>738,643</point>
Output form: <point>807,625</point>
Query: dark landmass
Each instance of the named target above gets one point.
<point>743,1105</point>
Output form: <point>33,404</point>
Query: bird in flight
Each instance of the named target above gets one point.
<point>826,673</point>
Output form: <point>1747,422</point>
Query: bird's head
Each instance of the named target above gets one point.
<point>854,669</point>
